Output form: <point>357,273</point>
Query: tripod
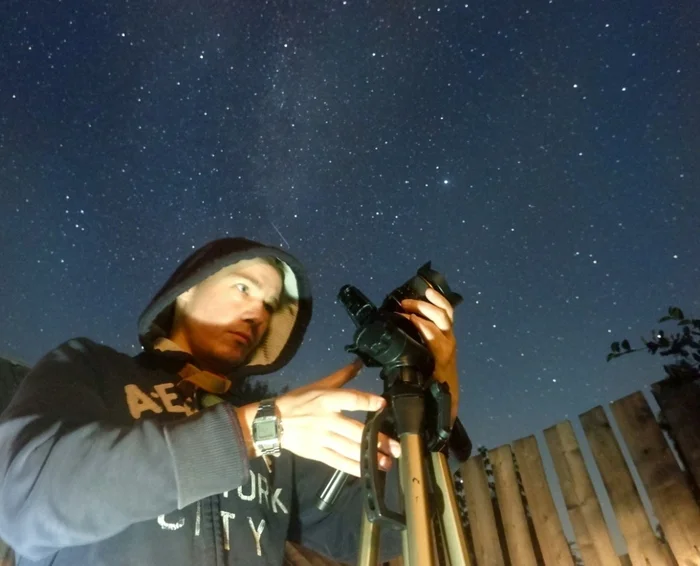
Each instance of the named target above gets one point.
<point>418,414</point>
<point>430,505</point>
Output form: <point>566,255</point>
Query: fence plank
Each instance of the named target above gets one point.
<point>482,520</point>
<point>592,534</point>
<point>680,404</point>
<point>668,491</point>
<point>545,519</point>
<point>511,507</point>
<point>643,546</point>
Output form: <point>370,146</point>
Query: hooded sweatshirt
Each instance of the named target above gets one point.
<point>104,461</point>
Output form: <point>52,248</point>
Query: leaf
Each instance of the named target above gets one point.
<point>626,345</point>
<point>696,357</point>
<point>615,346</point>
<point>665,318</point>
<point>675,312</point>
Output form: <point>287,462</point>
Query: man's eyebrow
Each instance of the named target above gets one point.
<point>250,278</point>
<point>255,282</point>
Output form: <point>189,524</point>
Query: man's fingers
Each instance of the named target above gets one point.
<point>433,313</point>
<point>335,380</point>
<point>439,299</point>
<point>389,446</point>
<point>349,450</point>
<point>351,431</point>
<point>338,461</point>
<point>343,445</point>
<point>339,378</point>
<point>351,400</point>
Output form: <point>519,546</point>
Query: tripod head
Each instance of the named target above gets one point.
<point>383,338</point>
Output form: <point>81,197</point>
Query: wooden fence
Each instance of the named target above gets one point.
<point>510,517</point>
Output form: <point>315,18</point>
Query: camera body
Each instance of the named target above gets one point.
<point>415,401</point>
<point>384,338</point>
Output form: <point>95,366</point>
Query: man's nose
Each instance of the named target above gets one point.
<point>256,312</point>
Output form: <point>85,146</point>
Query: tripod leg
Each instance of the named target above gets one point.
<point>455,539</point>
<point>369,542</point>
<point>418,533</point>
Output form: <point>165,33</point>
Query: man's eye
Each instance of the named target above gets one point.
<point>244,289</point>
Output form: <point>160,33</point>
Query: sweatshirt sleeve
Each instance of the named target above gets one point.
<point>69,477</point>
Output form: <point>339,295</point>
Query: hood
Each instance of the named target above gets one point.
<point>287,325</point>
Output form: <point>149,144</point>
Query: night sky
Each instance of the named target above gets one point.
<point>543,155</point>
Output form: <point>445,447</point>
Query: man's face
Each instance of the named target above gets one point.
<point>224,318</point>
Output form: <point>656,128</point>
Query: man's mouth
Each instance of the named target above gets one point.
<point>243,336</point>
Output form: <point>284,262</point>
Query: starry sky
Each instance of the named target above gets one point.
<point>544,156</point>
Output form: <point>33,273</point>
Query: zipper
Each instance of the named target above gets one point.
<point>214,504</point>
<point>198,519</point>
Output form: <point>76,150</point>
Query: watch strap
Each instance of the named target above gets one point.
<point>267,410</point>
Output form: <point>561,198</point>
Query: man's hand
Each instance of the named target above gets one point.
<point>315,428</point>
<point>438,335</point>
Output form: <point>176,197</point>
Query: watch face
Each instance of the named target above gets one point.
<point>265,430</point>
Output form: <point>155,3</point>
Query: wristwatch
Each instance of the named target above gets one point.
<point>267,429</point>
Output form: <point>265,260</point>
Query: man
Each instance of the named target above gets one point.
<point>107,459</point>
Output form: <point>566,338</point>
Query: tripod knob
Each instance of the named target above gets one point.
<point>441,434</point>
<point>439,416</point>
